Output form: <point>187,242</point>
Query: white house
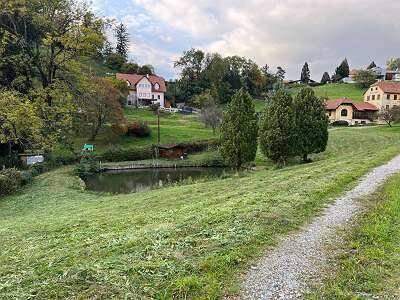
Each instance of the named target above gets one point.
<point>144,89</point>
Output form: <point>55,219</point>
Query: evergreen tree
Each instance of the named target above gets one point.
<point>122,36</point>
<point>305,74</point>
<point>277,133</point>
<point>325,78</point>
<point>343,70</point>
<point>311,123</point>
<point>107,49</point>
<point>239,131</point>
<point>371,65</point>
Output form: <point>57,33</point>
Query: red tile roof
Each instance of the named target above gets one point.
<point>360,106</point>
<point>389,86</point>
<point>135,78</point>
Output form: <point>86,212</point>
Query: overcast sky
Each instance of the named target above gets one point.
<point>275,32</point>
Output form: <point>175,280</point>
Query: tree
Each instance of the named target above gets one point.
<point>122,36</point>
<point>99,105</point>
<point>364,78</point>
<point>305,74</point>
<point>390,115</point>
<point>277,135</point>
<point>146,70</point>
<point>239,131</point>
<point>325,78</point>
<point>49,35</point>
<point>19,123</point>
<point>311,123</point>
<point>129,68</point>
<point>371,65</point>
<point>115,61</point>
<point>280,73</point>
<point>343,70</point>
<point>211,114</point>
<point>393,64</point>
<point>107,49</point>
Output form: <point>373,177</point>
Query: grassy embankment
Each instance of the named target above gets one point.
<point>337,90</point>
<point>174,128</point>
<point>369,267</point>
<point>181,241</point>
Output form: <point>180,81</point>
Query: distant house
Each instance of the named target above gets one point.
<point>350,111</point>
<point>383,94</point>
<point>392,75</point>
<point>144,89</point>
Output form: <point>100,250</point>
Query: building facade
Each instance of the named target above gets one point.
<point>144,90</point>
<point>350,111</point>
<point>383,94</point>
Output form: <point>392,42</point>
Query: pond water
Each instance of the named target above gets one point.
<point>139,180</point>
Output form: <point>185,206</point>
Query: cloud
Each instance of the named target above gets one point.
<point>287,32</point>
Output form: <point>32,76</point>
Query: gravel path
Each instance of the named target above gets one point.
<point>299,258</point>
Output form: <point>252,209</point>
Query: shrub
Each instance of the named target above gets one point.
<point>119,129</point>
<point>61,156</point>
<point>138,129</point>
<point>10,181</point>
<point>340,123</point>
<point>87,166</point>
<point>120,154</point>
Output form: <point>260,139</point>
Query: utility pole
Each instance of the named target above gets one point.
<point>158,126</point>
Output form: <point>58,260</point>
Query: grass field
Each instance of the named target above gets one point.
<point>188,241</point>
<point>337,90</point>
<point>174,128</point>
<point>370,265</point>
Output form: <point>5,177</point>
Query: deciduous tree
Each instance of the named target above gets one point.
<point>364,78</point>
<point>390,115</point>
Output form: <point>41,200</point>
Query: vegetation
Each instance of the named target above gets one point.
<point>390,115</point>
<point>305,74</point>
<point>211,114</point>
<point>122,37</point>
<point>311,123</point>
<point>364,78</point>
<point>393,63</point>
<point>342,71</point>
<point>239,131</point>
<point>278,129</point>
<point>336,91</point>
<point>193,243</point>
<point>325,78</point>
<point>369,265</point>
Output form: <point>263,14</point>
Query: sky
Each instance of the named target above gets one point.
<point>283,33</point>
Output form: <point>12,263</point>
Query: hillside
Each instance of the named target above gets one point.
<point>337,90</point>
<point>184,241</point>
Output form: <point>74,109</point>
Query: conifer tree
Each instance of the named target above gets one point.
<point>311,123</point>
<point>325,78</point>
<point>343,70</point>
<point>371,65</point>
<point>305,74</point>
<point>277,133</point>
<point>122,36</point>
<point>239,131</point>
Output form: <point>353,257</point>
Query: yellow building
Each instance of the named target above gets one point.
<point>383,94</point>
<point>351,112</point>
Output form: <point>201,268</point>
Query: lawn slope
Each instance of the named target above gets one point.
<point>337,90</point>
<point>370,266</point>
<point>183,241</point>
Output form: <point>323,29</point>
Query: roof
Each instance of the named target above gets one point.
<point>388,86</point>
<point>135,78</point>
<point>360,106</point>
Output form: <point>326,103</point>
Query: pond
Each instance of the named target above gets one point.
<point>139,180</point>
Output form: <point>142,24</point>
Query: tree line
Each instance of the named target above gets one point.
<point>288,127</point>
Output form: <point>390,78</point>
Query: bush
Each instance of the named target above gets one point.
<point>133,153</point>
<point>10,181</point>
<point>119,129</point>
<point>87,166</point>
<point>60,156</point>
<point>340,123</point>
<point>139,129</point>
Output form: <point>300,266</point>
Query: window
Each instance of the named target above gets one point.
<point>388,96</point>
<point>368,98</point>
<point>395,97</point>
<point>373,97</point>
<point>376,89</point>
<point>159,97</point>
<point>387,106</point>
<point>344,112</point>
<point>129,102</point>
<point>372,89</point>
<point>378,97</point>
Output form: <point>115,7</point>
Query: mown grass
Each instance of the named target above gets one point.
<point>58,241</point>
<point>369,268</point>
<point>337,90</point>
<point>174,128</point>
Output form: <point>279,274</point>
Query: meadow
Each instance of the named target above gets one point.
<point>185,241</point>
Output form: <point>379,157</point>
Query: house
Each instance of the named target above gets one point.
<point>383,94</point>
<point>144,90</point>
<point>393,75</point>
<point>350,111</point>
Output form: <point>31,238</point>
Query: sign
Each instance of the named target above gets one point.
<point>31,160</point>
